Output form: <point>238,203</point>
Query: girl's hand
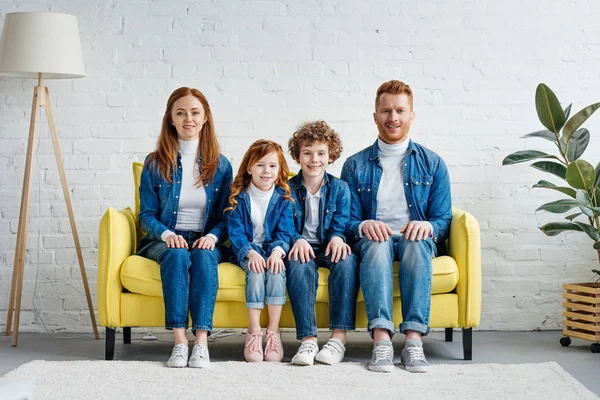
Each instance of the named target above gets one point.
<point>256,262</point>
<point>302,248</point>
<point>176,241</point>
<point>275,262</point>
<point>205,242</point>
<point>338,249</point>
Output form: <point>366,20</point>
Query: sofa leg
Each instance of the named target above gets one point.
<point>449,334</point>
<point>468,343</point>
<point>109,349</point>
<point>127,335</point>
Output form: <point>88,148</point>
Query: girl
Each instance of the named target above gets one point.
<point>260,224</point>
<point>184,188</point>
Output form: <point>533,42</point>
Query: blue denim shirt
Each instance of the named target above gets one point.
<point>426,188</point>
<point>279,225</point>
<point>159,200</point>
<point>334,207</point>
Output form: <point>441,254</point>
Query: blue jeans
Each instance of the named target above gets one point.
<point>303,281</point>
<point>264,288</point>
<point>415,276</point>
<point>190,279</point>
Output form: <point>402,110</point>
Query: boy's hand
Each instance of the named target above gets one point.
<point>275,262</point>
<point>338,249</point>
<point>303,249</point>
<point>256,262</point>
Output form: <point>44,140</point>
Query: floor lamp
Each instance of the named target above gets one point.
<point>40,45</point>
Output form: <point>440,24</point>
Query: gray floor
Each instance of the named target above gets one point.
<point>488,347</point>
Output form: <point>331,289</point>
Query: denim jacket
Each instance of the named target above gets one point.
<point>334,207</point>
<point>426,188</point>
<point>279,225</point>
<point>159,200</point>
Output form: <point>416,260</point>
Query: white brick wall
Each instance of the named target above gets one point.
<point>266,66</point>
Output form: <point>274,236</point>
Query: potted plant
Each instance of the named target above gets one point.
<point>582,300</point>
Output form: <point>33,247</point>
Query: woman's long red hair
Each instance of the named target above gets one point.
<point>167,149</point>
<point>256,151</point>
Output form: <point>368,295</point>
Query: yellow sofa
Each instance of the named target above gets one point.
<point>130,291</point>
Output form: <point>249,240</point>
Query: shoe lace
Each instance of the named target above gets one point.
<point>254,344</point>
<point>416,353</point>
<point>199,351</point>
<point>383,353</point>
<point>179,351</point>
<point>307,346</point>
<point>273,341</point>
<point>333,347</point>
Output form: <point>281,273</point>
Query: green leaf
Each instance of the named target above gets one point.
<point>525,155</point>
<point>577,145</point>
<point>597,170</point>
<point>578,119</point>
<point>544,134</point>
<point>597,245</point>
<point>554,228</point>
<point>559,206</point>
<point>581,175</point>
<point>548,108</point>
<point>572,216</point>
<point>589,230</point>
<point>568,111</point>
<point>551,167</point>
<point>549,185</point>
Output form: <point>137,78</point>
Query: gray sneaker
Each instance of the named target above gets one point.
<point>179,356</point>
<point>200,357</point>
<point>383,357</point>
<point>412,356</point>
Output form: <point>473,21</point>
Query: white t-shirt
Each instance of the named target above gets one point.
<point>311,217</point>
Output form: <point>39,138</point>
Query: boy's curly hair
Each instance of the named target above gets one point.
<point>316,131</point>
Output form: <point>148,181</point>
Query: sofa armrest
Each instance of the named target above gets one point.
<point>464,245</point>
<point>116,241</point>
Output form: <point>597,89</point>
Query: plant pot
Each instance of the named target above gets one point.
<point>582,313</point>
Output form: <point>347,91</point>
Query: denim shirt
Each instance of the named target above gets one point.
<point>279,225</point>
<point>334,207</point>
<point>426,188</point>
<point>159,200</point>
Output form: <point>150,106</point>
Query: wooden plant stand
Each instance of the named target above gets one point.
<point>582,313</point>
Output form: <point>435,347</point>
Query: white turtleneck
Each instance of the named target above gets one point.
<point>259,202</point>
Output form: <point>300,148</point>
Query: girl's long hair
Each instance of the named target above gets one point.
<point>256,151</point>
<point>167,149</point>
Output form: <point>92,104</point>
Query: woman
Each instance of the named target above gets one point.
<point>184,188</point>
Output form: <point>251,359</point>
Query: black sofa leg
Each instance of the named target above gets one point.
<point>127,335</point>
<point>109,349</point>
<point>449,334</point>
<point>468,343</point>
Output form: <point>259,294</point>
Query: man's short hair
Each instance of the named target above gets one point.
<point>311,132</point>
<point>394,87</point>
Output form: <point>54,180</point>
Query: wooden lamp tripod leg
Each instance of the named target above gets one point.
<point>16,288</point>
<point>63,180</point>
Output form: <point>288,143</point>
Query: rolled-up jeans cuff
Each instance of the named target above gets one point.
<point>255,305</point>
<point>381,323</point>
<point>275,301</point>
<point>414,326</point>
<point>201,328</point>
<point>176,326</point>
<point>302,335</point>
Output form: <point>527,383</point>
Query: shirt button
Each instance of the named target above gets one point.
<point>406,184</point>
<point>176,197</point>
<point>178,181</point>
<point>405,165</point>
<point>410,205</point>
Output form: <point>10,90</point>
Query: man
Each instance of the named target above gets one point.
<point>401,207</point>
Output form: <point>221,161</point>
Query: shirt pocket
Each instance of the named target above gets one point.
<point>328,212</point>
<point>298,216</point>
<point>163,188</point>
<point>421,185</point>
<point>365,192</point>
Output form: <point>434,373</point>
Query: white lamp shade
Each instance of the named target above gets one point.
<point>40,42</point>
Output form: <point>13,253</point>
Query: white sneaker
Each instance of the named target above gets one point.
<point>200,357</point>
<point>179,356</point>
<point>332,353</point>
<point>306,353</point>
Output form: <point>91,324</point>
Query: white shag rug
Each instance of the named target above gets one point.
<point>238,380</point>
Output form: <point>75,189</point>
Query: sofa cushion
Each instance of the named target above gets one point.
<point>141,275</point>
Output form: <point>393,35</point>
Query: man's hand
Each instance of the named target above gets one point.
<point>176,241</point>
<point>376,230</point>
<point>275,262</point>
<point>338,249</point>
<point>417,230</point>
<point>256,262</point>
<point>303,249</point>
<point>205,242</point>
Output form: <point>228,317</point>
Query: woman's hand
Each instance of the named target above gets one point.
<point>303,249</point>
<point>275,262</point>
<point>256,262</point>
<point>205,243</point>
<point>338,249</point>
<point>176,242</point>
